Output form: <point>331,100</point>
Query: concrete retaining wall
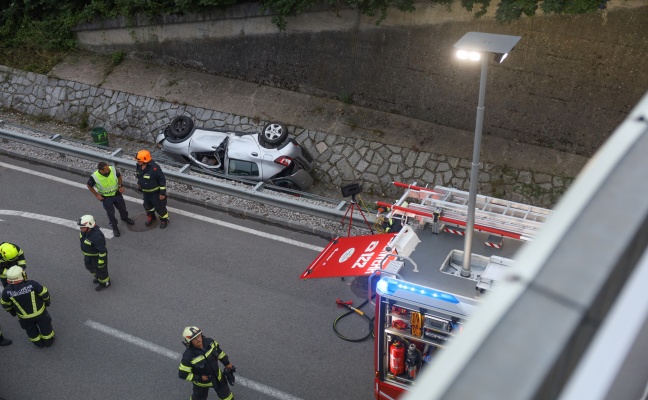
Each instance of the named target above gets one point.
<point>339,160</point>
<point>569,82</point>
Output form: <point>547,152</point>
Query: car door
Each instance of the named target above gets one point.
<point>244,158</point>
<point>202,147</point>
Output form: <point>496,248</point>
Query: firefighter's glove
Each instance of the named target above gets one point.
<point>229,375</point>
<point>13,313</point>
<point>47,303</point>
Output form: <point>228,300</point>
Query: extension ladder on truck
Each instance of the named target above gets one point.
<point>501,217</point>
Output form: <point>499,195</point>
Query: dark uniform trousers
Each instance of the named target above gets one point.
<point>222,390</point>
<point>100,272</point>
<point>152,204</point>
<point>220,386</point>
<point>110,203</point>
<point>39,329</point>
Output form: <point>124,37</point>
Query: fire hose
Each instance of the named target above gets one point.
<point>347,304</point>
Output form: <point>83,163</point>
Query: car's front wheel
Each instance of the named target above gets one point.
<point>274,133</point>
<point>181,126</point>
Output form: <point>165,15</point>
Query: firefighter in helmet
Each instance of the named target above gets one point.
<point>152,183</point>
<point>199,365</point>
<point>95,254</point>
<point>10,255</point>
<point>389,224</point>
<point>29,301</point>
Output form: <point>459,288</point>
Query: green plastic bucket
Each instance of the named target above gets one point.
<point>99,136</point>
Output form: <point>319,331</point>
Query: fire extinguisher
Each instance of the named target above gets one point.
<point>396,358</point>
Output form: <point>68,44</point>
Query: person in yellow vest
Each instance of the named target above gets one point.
<point>106,185</point>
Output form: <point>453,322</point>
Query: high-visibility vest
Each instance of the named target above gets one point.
<point>106,185</point>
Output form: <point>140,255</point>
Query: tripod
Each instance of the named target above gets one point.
<point>349,213</point>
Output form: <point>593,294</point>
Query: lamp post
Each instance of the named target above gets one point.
<point>477,46</point>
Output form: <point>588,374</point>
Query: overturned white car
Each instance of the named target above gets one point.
<point>269,156</point>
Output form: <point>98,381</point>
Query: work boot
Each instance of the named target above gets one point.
<point>95,280</point>
<point>116,231</point>
<point>129,221</point>
<point>102,286</point>
<point>149,220</point>
<point>39,344</point>
<point>4,341</point>
<point>164,223</point>
<point>49,342</point>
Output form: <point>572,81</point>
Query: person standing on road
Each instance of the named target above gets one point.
<point>151,181</point>
<point>29,301</point>
<point>3,340</point>
<point>95,254</point>
<point>199,365</point>
<point>10,255</point>
<point>108,184</point>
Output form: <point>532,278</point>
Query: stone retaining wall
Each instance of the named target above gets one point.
<point>339,160</point>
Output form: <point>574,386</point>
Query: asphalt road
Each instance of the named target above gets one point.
<point>240,286</point>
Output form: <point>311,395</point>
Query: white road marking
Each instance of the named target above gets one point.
<point>250,384</point>
<point>174,210</point>
<point>55,220</point>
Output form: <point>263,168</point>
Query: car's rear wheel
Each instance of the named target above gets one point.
<point>181,126</point>
<point>274,133</point>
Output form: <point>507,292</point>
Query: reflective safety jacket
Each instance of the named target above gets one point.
<point>19,261</point>
<point>93,244</point>
<point>27,299</point>
<point>151,178</point>
<point>198,362</point>
<point>106,186</point>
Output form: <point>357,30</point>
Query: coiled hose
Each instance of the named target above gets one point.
<point>351,311</point>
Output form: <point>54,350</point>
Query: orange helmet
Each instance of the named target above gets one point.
<point>143,156</point>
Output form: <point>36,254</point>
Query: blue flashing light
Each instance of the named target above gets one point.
<point>389,286</point>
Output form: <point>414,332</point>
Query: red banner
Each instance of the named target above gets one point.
<point>351,256</point>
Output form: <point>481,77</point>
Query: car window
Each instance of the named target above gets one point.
<point>242,168</point>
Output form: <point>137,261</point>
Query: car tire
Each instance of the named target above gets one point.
<point>274,133</point>
<point>181,126</point>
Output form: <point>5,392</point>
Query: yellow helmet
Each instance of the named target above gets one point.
<point>8,251</point>
<point>190,333</point>
<point>15,275</point>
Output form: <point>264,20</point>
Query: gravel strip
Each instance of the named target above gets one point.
<point>250,209</point>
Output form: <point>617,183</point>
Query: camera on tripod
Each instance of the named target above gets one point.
<point>351,190</point>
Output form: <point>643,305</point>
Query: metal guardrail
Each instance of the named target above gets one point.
<point>257,192</point>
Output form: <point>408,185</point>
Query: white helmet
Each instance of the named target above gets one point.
<point>86,221</point>
<point>190,333</point>
<point>16,274</point>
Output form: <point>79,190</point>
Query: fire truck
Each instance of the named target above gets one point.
<point>417,282</point>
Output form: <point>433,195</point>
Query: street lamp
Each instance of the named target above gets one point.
<point>474,46</point>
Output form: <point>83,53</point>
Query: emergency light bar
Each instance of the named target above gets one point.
<point>392,287</point>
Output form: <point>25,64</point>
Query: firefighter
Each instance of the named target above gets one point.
<point>95,254</point>
<point>151,181</point>
<point>389,224</point>
<point>199,365</point>
<point>29,301</point>
<point>3,340</point>
<point>10,255</point>
<point>108,184</point>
